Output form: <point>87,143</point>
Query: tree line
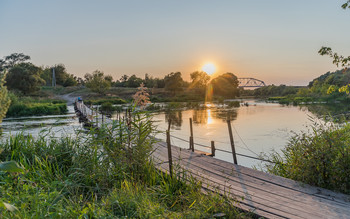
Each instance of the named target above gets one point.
<point>27,78</point>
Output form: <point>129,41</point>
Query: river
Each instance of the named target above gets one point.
<point>257,128</point>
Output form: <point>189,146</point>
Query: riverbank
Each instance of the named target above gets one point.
<point>104,174</point>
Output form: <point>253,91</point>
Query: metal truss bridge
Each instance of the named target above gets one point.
<point>250,82</point>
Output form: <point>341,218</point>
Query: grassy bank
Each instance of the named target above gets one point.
<point>320,158</point>
<point>33,106</point>
<point>107,174</point>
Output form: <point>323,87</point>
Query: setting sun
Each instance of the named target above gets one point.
<point>209,68</point>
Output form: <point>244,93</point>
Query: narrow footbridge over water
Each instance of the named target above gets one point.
<point>264,194</point>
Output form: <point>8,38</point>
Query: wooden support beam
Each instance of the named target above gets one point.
<point>170,158</point>
<point>232,142</point>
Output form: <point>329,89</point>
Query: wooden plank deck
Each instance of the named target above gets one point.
<point>264,194</point>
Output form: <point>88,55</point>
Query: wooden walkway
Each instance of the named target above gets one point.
<point>264,194</point>
<point>91,117</point>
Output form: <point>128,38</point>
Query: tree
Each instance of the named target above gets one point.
<point>200,80</point>
<point>60,74</point>
<point>173,82</point>
<point>24,77</point>
<point>4,99</point>
<point>14,59</point>
<point>122,81</point>
<point>97,82</point>
<point>70,81</point>
<point>226,85</point>
<point>109,78</point>
<point>133,81</point>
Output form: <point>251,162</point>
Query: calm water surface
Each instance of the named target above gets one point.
<point>259,127</point>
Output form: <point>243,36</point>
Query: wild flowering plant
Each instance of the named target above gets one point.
<point>141,97</point>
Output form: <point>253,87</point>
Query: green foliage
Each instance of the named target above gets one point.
<point>105,174</point>
<point>320,158</point>
<point>4,99</point>
<point>29,106</point>
<point>96,82</point>
<point>225,85</point>
<point>337,59</point>
<point>273,90</point>
<point>10,167</point>
<point>199,81</point>
<point>24,77</point>
<point>133,81</point>
<point>107,107</point>
<point>11,60</point>
<point>61,75</point>
<point>346,5</point>
<point>174,82</point>
<point>35,109</point>
<point>113,100</point>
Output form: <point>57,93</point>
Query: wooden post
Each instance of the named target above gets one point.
<point>212,149</point>
<point>191,143</point>
<point>170,158</point>
<point>232,142</point>
<point>191,137</point>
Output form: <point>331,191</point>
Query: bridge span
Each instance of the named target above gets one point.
<point>250,82</point>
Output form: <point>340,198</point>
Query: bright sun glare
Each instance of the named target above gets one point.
<point>209,68</point>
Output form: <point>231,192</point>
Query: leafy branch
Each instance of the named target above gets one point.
<point>337,59</point>
<point>346,5</point>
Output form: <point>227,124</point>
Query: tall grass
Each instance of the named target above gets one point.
<point>320,158</point>
<point>104,174</point>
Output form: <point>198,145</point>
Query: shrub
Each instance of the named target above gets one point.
<point>34,109</point>
<point>321,158</point>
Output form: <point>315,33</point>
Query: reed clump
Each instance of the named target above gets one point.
<point>103,174</point>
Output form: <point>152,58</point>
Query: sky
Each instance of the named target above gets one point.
<point>272,40</point>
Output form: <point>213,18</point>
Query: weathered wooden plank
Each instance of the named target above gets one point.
<point>273,194</point>
<point>257,209</point>
<point>277,180</point>
<point>274,199</point>
<point>248,193</point>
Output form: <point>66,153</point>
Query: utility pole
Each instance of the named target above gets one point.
<point>53,78</point>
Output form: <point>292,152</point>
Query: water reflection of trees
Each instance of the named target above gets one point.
<point>337,112</point>
<point>201,116</point>
<point>175,116</point>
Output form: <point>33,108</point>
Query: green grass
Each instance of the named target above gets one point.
<point>105,174</point>
<point>320,158</point>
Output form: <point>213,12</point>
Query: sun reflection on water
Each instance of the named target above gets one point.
<point>210,119</point>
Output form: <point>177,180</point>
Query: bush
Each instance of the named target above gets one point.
<point>35,109</point>
<point>115,100</point>
<point>320,159</point>
<point>107,107</point>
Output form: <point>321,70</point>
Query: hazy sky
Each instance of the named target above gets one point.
<point>272,40</point>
